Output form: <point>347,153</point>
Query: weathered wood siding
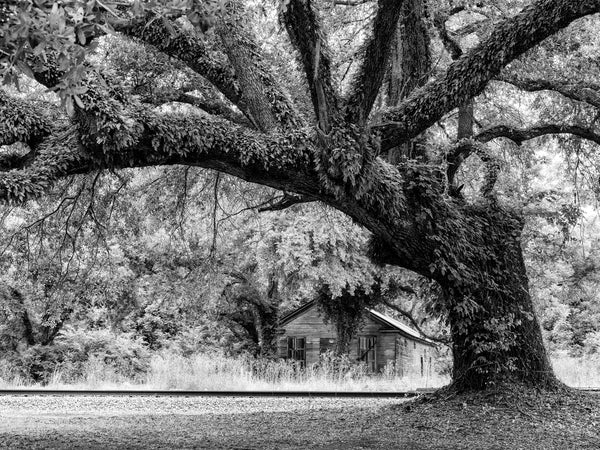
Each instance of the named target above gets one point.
<point>311,326</point>
<point>410,355</point>
<point>402,353</point>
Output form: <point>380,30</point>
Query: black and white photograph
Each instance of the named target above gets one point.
<point>300,224</point>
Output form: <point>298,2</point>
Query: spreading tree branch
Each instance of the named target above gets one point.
<point>521,135</point>
<point>172,40</point>
<point>462,149</point>
<point>450,44</point>
<point>214,107</point>
<point>307,36</point>
<point>166,139</point>
<point>581,92</point>
<point>373,68</point>
<point>468,76</point>
<point>268,105</point>
<point>285,201</point>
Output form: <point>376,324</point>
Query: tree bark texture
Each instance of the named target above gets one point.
<point>495,333</point>
<point>409,68</point>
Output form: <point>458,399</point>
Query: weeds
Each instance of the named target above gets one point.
<point>213,371</point>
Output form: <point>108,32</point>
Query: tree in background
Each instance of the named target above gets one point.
<point>420,215</point>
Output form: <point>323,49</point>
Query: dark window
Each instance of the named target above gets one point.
<point>326,344</point>
<point>422,367</point>
<point>297,349</point>
<point>366,351</point>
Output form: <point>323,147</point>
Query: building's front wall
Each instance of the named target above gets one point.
<point>309,325</point>
<point>405,355</point>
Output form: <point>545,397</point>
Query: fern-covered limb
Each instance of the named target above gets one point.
<point>170,39</point>
<point>376,57</point>
<point>460,152</point>
<point>211,106</point>
<point>134,136</point>
<point>267,103</point>
<point>581,92</point>
<point>462,149</point>
<point>307,35</point>
<point>20,121</point>
<point>167,139</point>
<point>519,136</point>
<point>469,75</point>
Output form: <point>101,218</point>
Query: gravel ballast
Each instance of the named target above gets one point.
<point>518,418</point>
<point>180,422</point>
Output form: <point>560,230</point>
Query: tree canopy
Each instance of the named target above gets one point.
<point>321,130</point>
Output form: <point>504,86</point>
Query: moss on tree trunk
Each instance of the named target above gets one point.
<point>496,336</point>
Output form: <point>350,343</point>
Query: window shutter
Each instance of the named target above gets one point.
<point>282,347</point>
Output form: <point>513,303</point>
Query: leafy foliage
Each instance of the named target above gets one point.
<point>466,238</point>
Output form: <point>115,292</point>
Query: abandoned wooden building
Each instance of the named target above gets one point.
<point>381,341</point>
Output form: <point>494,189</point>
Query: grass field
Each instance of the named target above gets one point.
<point>216,372</point>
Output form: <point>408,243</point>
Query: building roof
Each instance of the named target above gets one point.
<point>394,324</point>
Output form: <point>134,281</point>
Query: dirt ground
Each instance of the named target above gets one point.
<point>481,421</point>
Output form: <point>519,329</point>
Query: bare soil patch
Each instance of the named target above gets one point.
<point>519,419</point>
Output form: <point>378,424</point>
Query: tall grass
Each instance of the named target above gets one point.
<point>172,371</point>
<point>582,372</point>
<point>214,372</point>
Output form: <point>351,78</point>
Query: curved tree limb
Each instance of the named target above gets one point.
<point>521,135</point>
<point>376,57</point>
<point>450,44</point>
<point>462,149</point>
<point>244,79</point>
<point>214,107</point>
<point>469,75</point>
<point>307,36</point>
<point>268,106</point>
<point>285,201</point>
<point>172,40</point>
<point>581,92</point>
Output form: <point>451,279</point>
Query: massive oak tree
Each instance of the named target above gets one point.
<point>339,156</point>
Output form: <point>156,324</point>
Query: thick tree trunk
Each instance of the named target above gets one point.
<point>495,333</point>
<point>474,253</point>
<point>502,341</point>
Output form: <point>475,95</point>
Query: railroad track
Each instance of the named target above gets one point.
<point>185,393</point>
<point>181,393</point>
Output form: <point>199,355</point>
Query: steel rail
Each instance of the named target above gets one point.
<point>182,393</point>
